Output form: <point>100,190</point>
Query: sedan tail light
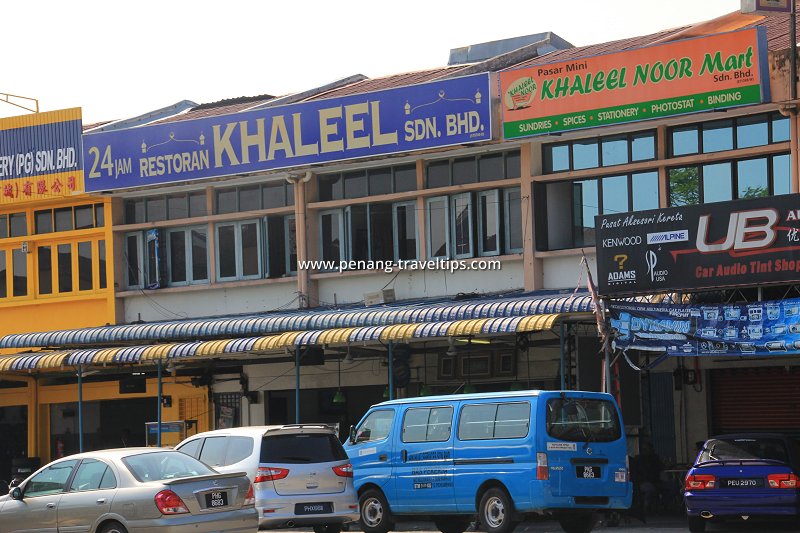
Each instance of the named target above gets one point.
<point>700,482</point>
<point>250,499</point>
<point>270,473</point>
<point>541,466</point>
<point>345,470</point>
<point>170,503</point>
<point>782,481</point>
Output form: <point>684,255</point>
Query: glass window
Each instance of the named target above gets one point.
<point>718,136</point>
<point>153,243</point>
<point>355,184</point>
<point>375,427</point>
<point>178,206</point>
<point>513,164</point>
<point>494,421</point>
<point>490,167</point>
<point>614,150</point>
<point>84,216</point>
<point>717,183</point>
<point>197,204</point>
<point>380,181</point>
<point>199,250</point>
<point>273,196</point>
<point>156,209</point>
<point>239,449</point>
<point>438,174</point>
<point>89,475</point>
<point>685,141</point>
<point>381,232</point>
<point>585,154</point>
<point>226,201</point>
<point>108,481</point>
<point>18,224</point>
<point>302,449</point>
<point>191,448</point>
<point>438,230</point>
<point>101,256</point>
<point>489,222</point>
<point>44,221</point>
<point>330,187</point>
<point>226,244</point>
<point>45,258</point>
<point>512,420</point>
<point>752,178</point>
<point>84,266</point>
<point>644,187</point>
<point>20,272</point>
<point>462,225</point>
<point>99,215</point>
<point>63,218</point>
<point>465,171</point>
<point>64,268</point>
<point>513,215</point>
<point>133,259</point>
<point>582,419</point>
<point>134,211</point>
<point>331,235</point>
<point>557,158</point>
<point>51,480</point>
<point>752,131</point>
<point>430,424</point>
<point>781,174</point>
<point>585,203</point>
<point>213,453</point>
<point>3,226</point>
<point>3,270</point>
<point>615,195</point>
<point>780,128</point>
<point>477,421</point>
<point>357,232</point>
<point>405,231</point>
<point>171,464</point>
<point>291,244</point>
<point>177,256</point>
<point>643,146</point>
<point>249,198</point>
<point>684,186</point>
<point>405,178</point>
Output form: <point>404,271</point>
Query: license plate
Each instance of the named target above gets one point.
<point>741,483</point>
<point>587,472</point>
<point>313,508</point>
<point>218,498</point>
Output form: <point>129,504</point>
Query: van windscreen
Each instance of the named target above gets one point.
<point>301,448</point>
<point>582,419</point>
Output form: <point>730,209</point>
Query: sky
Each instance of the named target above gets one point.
<point>119,59</point>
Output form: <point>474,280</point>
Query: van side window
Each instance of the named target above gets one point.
<point>428,424</point>
<point>494,421</point>
<point>375,427</point>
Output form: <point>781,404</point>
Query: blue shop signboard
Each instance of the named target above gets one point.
<point>760,328</point>
<point>441,113</point>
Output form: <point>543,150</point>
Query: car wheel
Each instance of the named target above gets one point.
<point>375,514</point>
<point>496,512</point>
<point>328,528</point>
<point>697,524</point>
<point>452,525</point>
<point>577,523</point>
<point>113,527</point>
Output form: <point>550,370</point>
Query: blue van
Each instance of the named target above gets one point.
<point>500,455</point>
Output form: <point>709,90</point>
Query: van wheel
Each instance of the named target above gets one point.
<point>697,524</point>
<point>496,512</point>
<point>577,523</point>
<point>328,528</point>
<point>452,525</point>
<point>375,514</point>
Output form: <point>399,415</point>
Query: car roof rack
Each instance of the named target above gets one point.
<point>330,427</point>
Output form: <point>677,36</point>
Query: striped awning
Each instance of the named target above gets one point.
<point>277,344</point>
<point>309,322</point>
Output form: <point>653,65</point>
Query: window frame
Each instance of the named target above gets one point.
<point>429,409</point>
<point>140,266</point>
<point>494,424</point>
<point>239,259</point>
<point>497,222</point>
<point>507,221</point>
<point>343,241</point>
<point>396,230</point>
<point>189,255</point>
<point>428,241</point>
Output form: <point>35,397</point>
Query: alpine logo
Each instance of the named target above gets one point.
<point>668,236</point>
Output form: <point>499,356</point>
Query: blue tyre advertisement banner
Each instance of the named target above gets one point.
<point>761,328</point>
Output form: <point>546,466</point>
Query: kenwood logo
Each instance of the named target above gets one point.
<point>668,236</point>
<point>615,242</point>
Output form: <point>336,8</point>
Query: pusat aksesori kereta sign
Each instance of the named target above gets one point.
<point>687,76</point>
<point>417,117</point>
<point>40,156</point>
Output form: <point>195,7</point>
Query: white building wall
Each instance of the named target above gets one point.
<point>563,272</point>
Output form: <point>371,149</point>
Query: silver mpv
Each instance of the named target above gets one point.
<point>301,473</point>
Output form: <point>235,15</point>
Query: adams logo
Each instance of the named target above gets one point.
<point>622,277</point>
<point>520,94</point>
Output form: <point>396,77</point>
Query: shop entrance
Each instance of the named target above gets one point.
<point>13,437</point>
<point>106,424</point>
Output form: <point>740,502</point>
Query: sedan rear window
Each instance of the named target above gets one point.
<point>158,466</point>
<point>741,448</point>
<point>302,448</point>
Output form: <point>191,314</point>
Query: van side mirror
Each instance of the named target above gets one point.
<point>352,434</point>
<point>16,493</point>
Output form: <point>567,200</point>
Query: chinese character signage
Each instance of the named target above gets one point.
<point>760,328</point>
<point>743,242</point>
<point>41,156</point>
<point>687,76</point>
<point>448,112</point>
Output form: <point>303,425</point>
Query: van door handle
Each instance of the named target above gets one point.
<point>383,457</point>
<point>404,455</point>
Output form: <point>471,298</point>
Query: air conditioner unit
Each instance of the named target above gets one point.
<point>380,297</point>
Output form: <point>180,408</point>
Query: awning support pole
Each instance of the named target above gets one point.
<point>80,408</point>
<point>297,385</point>
<point>391,370</point>
<point>563,358</point>
<point>160,393</point>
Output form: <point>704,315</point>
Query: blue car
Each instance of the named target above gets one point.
<point>742,477</point>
